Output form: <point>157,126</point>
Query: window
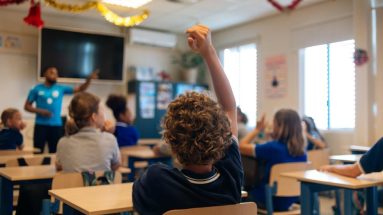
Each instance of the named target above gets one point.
<point>240,65</point>
<point>329,85</point>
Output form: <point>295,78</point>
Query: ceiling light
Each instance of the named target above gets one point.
<point>127,3</point>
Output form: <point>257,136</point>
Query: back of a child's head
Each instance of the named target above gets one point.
<point>241,116</point>
<point>8,114</point>
<point>81,108</point>
<point>197,129</point>
<point>288,130</point>
<point>118,105</point>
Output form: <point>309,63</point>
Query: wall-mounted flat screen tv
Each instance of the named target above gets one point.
<point>77,54</point>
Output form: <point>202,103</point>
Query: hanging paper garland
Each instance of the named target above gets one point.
<point>34,15</point>
<point>291,6</point>
<point>71,8</point>
<point>7,2</point>
<point>122,21</point>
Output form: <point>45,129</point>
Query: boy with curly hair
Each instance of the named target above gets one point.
<point>203,136</point>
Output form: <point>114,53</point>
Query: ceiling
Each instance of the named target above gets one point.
<point>168,15</point>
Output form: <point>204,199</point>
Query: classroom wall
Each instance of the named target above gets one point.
<point>286,33</point>
<point>18,68</point>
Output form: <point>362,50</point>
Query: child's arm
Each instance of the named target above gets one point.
<point>245,145</point>
<point>199,40</point>
<point>346,170</point>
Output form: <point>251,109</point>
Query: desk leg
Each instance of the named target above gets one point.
<point>307,199</point>
<point>132,173</point>
<point>372,200</point>
<point>347,197</point>
<point>6,196</point>
<point>67,210</point>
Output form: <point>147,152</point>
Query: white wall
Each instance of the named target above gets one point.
<point>18,68</point>
<point>286,33</point>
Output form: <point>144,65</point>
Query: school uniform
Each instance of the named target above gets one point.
<point>372,161</point>
<point>273,152</point>
<point>10,139</point>
<point>126,135</point>
<point>162,188</point>
<point>48,129</point>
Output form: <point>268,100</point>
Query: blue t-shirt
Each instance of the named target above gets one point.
<point>10,139</point>
<point>126,135</point>
<point>274,152</point>
<point>162,188</point>
<point>49,98</point>
<point>372,161</point>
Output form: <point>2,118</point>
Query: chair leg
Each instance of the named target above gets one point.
<point>45,209</point>
<point>269,199</point>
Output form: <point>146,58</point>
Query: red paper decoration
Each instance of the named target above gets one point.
<point>7,2</point>
<point>34,16</point>
<point>291,6</point>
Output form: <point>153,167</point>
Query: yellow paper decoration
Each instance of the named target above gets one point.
<point>71,8</point>
<point>122,21</point>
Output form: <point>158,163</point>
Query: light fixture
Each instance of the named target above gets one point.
<point>127,3</point>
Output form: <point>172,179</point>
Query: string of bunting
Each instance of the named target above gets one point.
<point>72,8</point>
<point>128,21</point>
<point>109,15</point>
<point>8,2</point>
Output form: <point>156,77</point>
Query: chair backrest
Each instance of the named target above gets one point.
<point>319,157</point>
<point>74,179</point>
<point>15,152</point>
<point>247,208</point>
<point>30,161</point>
<point>287,186</point>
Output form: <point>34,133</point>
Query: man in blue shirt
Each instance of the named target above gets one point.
<point>48,98</point>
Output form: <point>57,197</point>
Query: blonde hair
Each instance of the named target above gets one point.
<point>196,128</point>
<point>81,108</point>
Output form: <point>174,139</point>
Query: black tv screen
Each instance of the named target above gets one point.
<point>76,55</point>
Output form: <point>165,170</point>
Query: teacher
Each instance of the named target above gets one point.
<point>48,97</point>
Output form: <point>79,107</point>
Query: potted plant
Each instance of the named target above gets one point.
<point>192,65</point>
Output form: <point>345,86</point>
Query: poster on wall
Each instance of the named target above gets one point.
<point>276,76</point>
<point>164,95</point>
<point>147,100</point>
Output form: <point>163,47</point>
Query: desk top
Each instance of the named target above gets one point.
<point>359,148</point>
<point>98,199</point>
<point>143,153</point>
<point>325,178</point>
<point>346,158</point>
<point>5,158</point>
<point>28,172</point>
<point>148,142</point>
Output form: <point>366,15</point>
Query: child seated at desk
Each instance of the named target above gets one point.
<point>126,134</point>
<point>11,124</point>
<point>287,146</point>
<point>201,136</point>
<point>86,147</point>
<point>314,139</point>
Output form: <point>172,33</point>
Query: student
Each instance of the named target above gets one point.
<point>368,163</point>
<point>48,98</point>
<point>241,123</point>
<point>314,139</point>
<point>126,134</point>
<point>87,148</point>
<point>287,146</point>
<point>202,135</point>
<point>10,136</point>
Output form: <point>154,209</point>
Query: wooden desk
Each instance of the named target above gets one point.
<point>148,142</point>
<point>359,149</point>
<point>20,175</point>
<point>5,158</point>
<point>143,154</point>
<point>313,181</point>
<point>96,200</point>
<point>346,159</point>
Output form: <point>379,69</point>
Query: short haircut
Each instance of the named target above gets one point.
<point>196,128</point>
<point>8,114</point>
<point>117,103</point>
